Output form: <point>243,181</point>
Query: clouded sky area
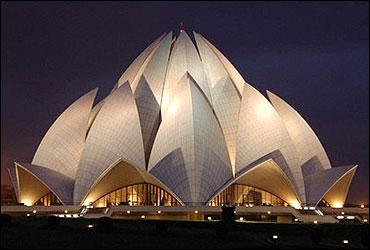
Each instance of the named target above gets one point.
<point>313,55</point>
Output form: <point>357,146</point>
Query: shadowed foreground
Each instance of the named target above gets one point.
<point>34,232</point>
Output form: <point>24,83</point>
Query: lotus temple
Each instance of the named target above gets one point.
<point>183,132</point>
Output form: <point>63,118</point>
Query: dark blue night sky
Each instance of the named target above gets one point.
<point>314,55</point>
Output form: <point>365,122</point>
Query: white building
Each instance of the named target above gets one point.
<point>181,127</point>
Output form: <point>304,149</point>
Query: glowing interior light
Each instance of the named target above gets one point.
<point>337,205</point>
<point>28,215</point>
<point>128,211</point>
<point>365,220</point>
<point>275,237</point>
<point>34,211</point>
<point>305,208</point>
<point>68,216</point>
<point>295,219</point>
<point>345,241</point>
<point>75,216</point>
<point>241,218</point>
<point>312,208</point>
<point>246,205</point>
<point>342,213</point>
<point>362,206</point>
<point>159,212</point>
<point>209,218</point>
<point>143,217</point>
<point>65,211</point>
<point>268,212</point>
<point>90,226</point>
<point>285,204</point>
<point>61,215</point>
<point>196,211</point>
<point>350,217</point>
<point>340,217</point>
<point>296,205</point>
<point>27,203</point>
<point>315,221</point>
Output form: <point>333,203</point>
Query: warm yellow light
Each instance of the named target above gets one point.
<point>241,218</point>
<point>295,219</point>
<point>268,212</point>
<point>365,220</point>
<point>65,211</point>
<point>264,110</point>
<point>27,203</point>
<point>143,217</point>
<point>362,206</point>
<point>337,205</point>
<point>28,215</point>
<point>196,211</point>
<point>209,218</point>
<point>174,106</point>
<point>315,221</point>
<point>34,211</point>
<point>90,226</point>
<point>159,212</point>
<point>128,211</point>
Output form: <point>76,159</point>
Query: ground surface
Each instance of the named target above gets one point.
<point>34,232</point>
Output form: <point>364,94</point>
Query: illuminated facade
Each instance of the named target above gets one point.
<point>181,127</point>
